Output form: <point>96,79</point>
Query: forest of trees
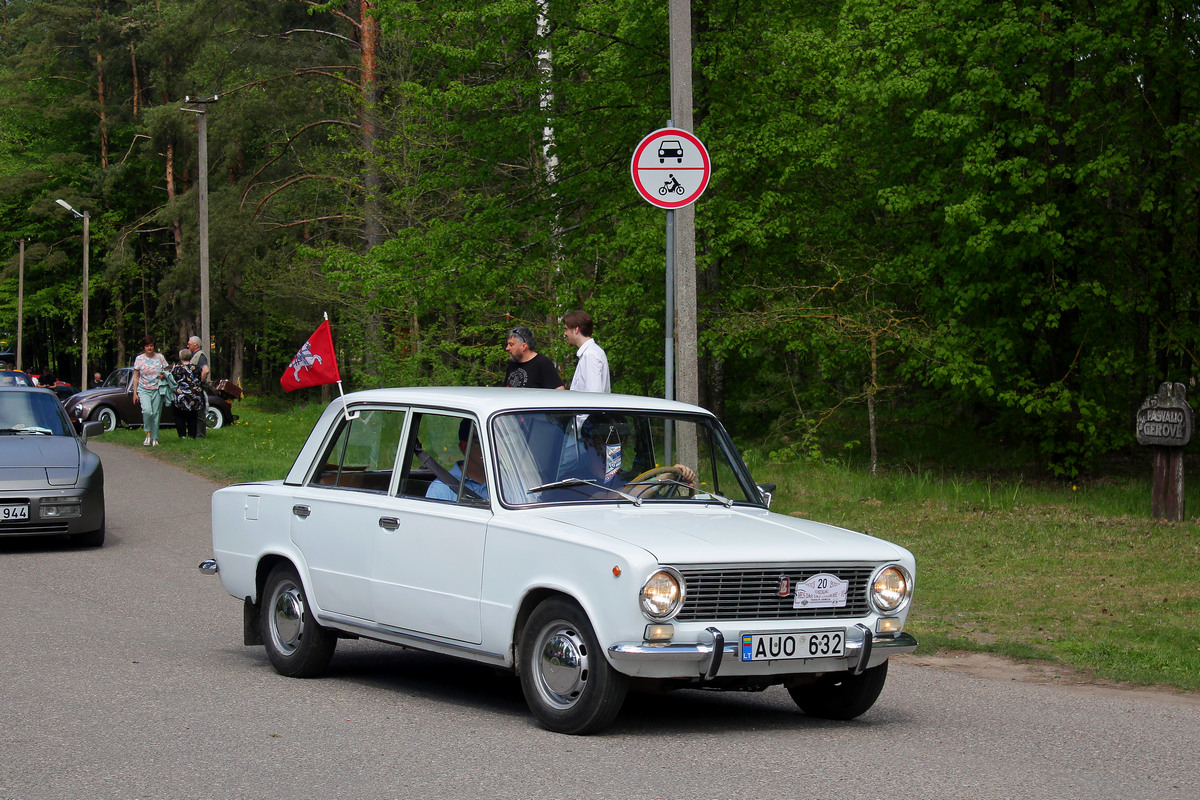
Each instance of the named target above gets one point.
<point>978,215</point>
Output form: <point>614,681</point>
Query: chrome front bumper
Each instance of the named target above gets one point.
<point>863,650</point>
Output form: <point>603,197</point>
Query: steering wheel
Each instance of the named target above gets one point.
<point>652,472</point>
<point>668,490</point>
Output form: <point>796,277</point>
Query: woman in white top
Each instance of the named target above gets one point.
<point>150,366</point>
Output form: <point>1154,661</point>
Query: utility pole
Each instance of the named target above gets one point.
<point>21,304</point>
<point>687,383</point>
<point>201,109</point>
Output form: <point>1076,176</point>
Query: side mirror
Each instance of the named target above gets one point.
<point>93,428</point>
<point>767,490</point>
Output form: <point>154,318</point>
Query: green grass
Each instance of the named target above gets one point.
<point>1075,573</point>
<point>260,445</point>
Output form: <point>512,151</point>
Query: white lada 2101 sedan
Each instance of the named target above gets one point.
<point>592,543</point>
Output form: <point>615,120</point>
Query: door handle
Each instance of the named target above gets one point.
<point>301,511</point>
<point>389,523</point>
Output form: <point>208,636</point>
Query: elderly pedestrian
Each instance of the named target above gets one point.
<point>189,398</point>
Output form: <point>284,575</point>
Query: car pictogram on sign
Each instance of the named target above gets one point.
<point>670,148</point>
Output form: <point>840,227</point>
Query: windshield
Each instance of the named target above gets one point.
<point>32,413</point>
<point>118,377</point>
<point>624,456</point>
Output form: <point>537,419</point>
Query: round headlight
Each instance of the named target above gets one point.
<point>891,589</point>
<point>662,594</point>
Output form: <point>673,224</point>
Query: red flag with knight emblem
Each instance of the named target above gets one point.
<point>314,364</point>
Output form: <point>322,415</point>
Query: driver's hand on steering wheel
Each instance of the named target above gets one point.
<point>686,474</point>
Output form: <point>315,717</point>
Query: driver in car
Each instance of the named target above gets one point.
<point>472,465</point>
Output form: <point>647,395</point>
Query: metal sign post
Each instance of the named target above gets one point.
<point>670,169</point>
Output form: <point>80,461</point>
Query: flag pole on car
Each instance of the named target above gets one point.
<point>315,363</point>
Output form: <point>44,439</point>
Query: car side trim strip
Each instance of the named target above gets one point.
<point>374,630</point>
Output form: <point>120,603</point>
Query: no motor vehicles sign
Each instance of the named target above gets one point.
<point>670,168</point>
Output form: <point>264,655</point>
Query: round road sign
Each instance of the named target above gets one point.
<point>670,168</point>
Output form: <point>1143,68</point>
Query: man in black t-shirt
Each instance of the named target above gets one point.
<point>528,369</point>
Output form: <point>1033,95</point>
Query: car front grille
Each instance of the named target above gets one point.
<point>32,528</point>
<point>716,593</point>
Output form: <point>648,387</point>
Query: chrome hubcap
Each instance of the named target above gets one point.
<point>562,665</point>
<point>287,618</point>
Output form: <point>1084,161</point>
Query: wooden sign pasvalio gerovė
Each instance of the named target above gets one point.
<point>1165,418</point>
<point>1165,423</point>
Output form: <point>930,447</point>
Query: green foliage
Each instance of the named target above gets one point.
<point>986,211</point>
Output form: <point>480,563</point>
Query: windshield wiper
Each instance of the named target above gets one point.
<point>568,483</point>
<point>19,431</point>
<point>697,494</point>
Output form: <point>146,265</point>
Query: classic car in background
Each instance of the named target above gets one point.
<point>112,403</point>
<point>591,543</point>
<point>50,482</point>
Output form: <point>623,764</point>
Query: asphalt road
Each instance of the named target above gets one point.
<point>124,677</point>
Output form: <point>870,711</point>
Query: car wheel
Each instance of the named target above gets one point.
<point>297,646</point>
<point>108,416</point>
<point>213,418</point>
<point>90,539</point>
<point>568,683</point>
<point>841,695</point>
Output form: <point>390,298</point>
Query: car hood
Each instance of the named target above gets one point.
<point>713,534</point>
<point>29,460</point>
<point>91,395</point>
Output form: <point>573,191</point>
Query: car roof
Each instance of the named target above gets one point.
<point>482,402</point>
<point>485,401</point>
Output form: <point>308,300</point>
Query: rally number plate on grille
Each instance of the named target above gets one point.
<point>10,512</point>
<point>781,646</point>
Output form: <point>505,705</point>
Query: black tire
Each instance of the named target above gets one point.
<point>841,695</point>
<point>108,416</point>
<point>212,418</point>
<point>297,646</point>
<point>90,539</point>
<point>567,681</point>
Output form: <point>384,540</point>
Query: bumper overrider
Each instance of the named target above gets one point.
<point>669,659</point>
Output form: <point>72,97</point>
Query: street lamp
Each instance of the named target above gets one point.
<point>83,380</point>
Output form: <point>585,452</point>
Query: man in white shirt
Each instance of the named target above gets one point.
<point>591,373</point>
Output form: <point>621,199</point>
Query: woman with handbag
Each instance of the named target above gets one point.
<point>189,397</point>
<point>151,368</point>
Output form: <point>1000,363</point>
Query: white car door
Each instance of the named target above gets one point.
<point>336,518</point>
<point>428,568</point>
<point>335,530</point>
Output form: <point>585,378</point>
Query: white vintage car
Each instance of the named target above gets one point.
<point>592,543</point>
